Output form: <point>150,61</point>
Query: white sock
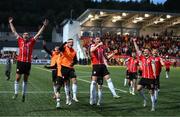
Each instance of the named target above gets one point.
<point>99,95</point>
<point>153,100</point>
<point>133,90</point>
<point>93,90</point>
<point>131,87</point>
<point>131,83</point>
<point>142,94</point>
<point>67,89</point>
<point>57,97</point>
<point>54,88</point>
<point>167,75</point>
<point>24,87</point>
<point>74,89</point>
<point>111,87</point>
<point>16,87</point>
<point>125,82</point>
<point>155,94</point>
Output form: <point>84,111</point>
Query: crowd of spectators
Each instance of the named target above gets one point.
<point>167,45</point>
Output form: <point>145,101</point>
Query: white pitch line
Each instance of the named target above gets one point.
<point>85,80</point>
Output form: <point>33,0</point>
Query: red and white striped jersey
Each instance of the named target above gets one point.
<point>97,56</point>
<point>147,71</point>
<point>167,64</point>
<point>132,65</point>
<point>158,65</point>
<point>25,49</point>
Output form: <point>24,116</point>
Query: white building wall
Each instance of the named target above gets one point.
<point>56,37</point>
<point>72,30</point>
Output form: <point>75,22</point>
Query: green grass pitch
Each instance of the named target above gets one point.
<point>39,100</point>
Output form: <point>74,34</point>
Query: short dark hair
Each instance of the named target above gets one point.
<point>70,39</point>
<point>147,49</point>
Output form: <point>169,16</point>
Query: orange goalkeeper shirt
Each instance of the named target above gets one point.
<point>68,57</point>
<point>54,58</point>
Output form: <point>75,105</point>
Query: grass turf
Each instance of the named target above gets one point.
<point>39,100</point>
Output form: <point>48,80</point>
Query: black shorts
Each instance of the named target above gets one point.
<point>23,67</point>
<point>132,75</point>
<point>167,69</point>
<point>100,70</point>
<point>54,75</point>
<point>157,83</point>
<point>67,72</point>
<point>140,72</point>
<point>147,83</point>
<point>127,74</point>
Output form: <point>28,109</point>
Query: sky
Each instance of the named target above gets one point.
<point>159,1</point>
<point>155,1</point>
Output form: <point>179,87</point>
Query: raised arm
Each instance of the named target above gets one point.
<point>12,27</point>
<point>95,47</point>
<point>62,47</point>
<point>46,49</point>
<point>136,47</point>
<point>45,23</point>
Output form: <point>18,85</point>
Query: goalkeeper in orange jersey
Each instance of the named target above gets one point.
<point>59,81</point>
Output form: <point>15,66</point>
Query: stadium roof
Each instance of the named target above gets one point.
<point>124,18</point>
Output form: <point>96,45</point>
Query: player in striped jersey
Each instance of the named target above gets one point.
<point>99,69</point>
<point>167,64</point>
<point>132,66</point>
<point>158,64</point>
<point>26,45</point>
<point>148,74</point>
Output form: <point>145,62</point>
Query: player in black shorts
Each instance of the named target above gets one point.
<point>132,82</point>
<point>98,57</point>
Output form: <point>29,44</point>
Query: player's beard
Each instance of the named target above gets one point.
<point>26,38</point>
<point>155,55</point>
<point>146,55</point>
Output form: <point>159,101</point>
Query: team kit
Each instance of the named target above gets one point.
<point>143,64</point>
